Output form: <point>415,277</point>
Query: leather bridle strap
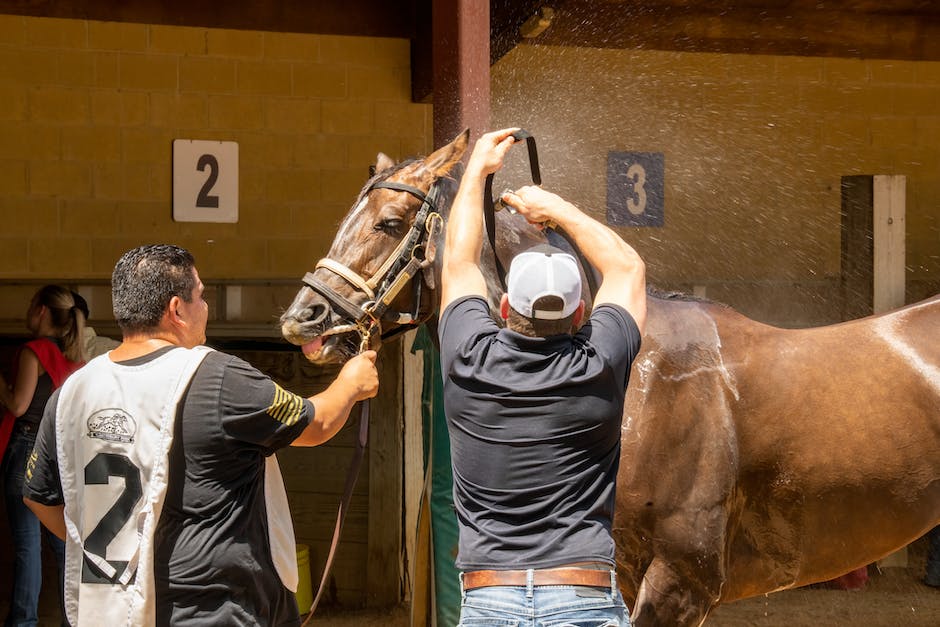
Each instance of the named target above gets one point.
<point>379,299</point>
<point>350,310</point>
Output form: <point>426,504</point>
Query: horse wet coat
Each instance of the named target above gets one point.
<point>754,458</point>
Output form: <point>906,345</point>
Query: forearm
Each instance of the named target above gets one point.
<point>464,240</point>
<point>331,411</point>
<point>602,246</point>
<point>52,516</point>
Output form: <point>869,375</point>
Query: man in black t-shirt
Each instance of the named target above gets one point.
<point>155,463</point>
<point>534,410</point>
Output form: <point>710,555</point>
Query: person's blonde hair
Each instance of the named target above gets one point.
<point>67,320</point>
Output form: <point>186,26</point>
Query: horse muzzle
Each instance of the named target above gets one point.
<point>324,337</point>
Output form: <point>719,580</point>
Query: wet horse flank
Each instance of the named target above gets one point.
<point>754,459</point>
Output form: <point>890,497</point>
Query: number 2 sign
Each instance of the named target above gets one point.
<point>205,181</point>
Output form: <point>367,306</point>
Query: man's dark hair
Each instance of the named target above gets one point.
<point>537,327</point>
<point>143,282</point>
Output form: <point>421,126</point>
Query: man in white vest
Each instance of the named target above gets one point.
<point>155,462</point>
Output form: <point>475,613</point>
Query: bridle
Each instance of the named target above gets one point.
<point>415,252</point>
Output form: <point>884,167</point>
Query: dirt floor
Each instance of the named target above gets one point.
<point>893,597</point>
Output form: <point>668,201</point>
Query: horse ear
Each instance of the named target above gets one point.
<point>442,160</point>
<point>383,162</point>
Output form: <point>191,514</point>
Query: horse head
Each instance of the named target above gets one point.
<point>381,272</point>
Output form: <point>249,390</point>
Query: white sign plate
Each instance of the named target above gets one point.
<point>205,181</point>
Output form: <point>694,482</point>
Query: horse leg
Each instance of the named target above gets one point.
<point>668,597</point>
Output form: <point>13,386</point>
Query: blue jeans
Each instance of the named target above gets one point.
<point>543,606</point>
<point>27,536</point>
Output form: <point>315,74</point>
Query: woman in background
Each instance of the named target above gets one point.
<point>42,365</point>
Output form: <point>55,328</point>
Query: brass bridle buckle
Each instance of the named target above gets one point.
<point>365,327</point>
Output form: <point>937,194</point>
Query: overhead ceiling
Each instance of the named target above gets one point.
<point>887,29</point>
<point>891,29</point>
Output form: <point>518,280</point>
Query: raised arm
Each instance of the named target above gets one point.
<point>461,274</point>
<point>623,273</point>
<point>357,381</point>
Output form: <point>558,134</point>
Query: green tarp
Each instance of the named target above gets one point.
<point>443,519</point>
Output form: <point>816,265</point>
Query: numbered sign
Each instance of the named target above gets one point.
<point>205,181</point>
<point>635,188</point>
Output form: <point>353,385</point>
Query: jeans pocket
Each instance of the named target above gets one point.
<point>584,622</point>
<point>487,621</point>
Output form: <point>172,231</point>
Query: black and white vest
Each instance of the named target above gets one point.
<point>114,480</point>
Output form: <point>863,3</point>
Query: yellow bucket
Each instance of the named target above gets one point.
<point>304,591</point>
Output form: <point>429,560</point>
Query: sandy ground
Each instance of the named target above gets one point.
<point>893,597</point>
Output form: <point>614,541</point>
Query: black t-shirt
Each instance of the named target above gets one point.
<point>37,404</point>
<point>534,429</point>
<point>211,554</point>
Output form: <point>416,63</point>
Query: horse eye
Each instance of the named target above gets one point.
<point>389,225</point>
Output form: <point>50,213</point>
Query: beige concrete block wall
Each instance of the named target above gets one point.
<point>89,110</point>
<point>754,147</point>
<point>88,114</point>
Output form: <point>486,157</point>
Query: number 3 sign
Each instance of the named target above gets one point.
<point>635,188</point>
<point>205,181</point>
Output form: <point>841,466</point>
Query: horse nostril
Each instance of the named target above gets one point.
<point>318,313</point>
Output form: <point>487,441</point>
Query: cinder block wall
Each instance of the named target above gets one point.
<point>89,110</point>
<point>755,147</point>
<point>88,113</point>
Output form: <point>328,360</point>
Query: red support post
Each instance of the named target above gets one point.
<point>461,57</point>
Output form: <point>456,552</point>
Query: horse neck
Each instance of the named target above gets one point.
<point>494,283</point>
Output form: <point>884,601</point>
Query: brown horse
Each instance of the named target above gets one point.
<point>754,459</point>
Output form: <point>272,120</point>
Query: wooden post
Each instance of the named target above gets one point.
<point>417,512</point>
<point>461,68</point>
<point>873,274</point>
<point>873,270</point>
<point>383,568</point>
<point>889,268</point>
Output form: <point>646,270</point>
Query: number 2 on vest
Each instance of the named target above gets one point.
<point>97,472</point>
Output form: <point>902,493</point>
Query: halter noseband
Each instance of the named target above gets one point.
<point>386,283</point>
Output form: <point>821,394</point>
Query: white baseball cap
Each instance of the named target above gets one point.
<point>544,271</point>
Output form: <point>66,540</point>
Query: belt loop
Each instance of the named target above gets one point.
<point>529,581</point>
<point>463,593</point>
<point>613,581</point>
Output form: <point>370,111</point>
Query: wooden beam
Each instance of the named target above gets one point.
<point>369,18</point>
<point>889,249</point>
<point>873,248</point>
<point>759,28</point>
<point>383,567</point>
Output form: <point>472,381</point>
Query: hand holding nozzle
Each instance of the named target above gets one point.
<point>533,203</point>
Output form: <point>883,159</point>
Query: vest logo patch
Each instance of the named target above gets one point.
<point>112,424</point>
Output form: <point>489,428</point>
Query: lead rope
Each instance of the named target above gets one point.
<point>365,333</point>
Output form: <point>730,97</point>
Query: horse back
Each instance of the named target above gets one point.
<point>766,450</point>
